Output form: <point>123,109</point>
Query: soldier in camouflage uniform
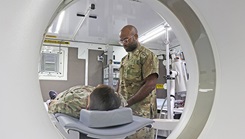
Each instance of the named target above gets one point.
<point>71,101</point>
<point>138,76</point>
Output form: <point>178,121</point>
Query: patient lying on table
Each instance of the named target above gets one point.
<point>71,101</point>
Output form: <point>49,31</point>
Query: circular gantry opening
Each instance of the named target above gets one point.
<point>83,40</point>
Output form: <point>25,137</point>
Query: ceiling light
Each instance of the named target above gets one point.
<point>152,34</point>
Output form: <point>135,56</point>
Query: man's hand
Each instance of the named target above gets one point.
<point>145,90</point>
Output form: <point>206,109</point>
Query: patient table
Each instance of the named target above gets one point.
<point>114,124</point>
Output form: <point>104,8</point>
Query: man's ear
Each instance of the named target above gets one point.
<point>136,36</point>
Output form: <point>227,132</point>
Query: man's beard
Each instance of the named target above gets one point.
<point>131,47</point>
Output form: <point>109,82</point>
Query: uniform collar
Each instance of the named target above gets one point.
<point>136,51</point>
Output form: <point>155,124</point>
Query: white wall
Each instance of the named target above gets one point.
<point>83,48</point>
<point>119,53</point>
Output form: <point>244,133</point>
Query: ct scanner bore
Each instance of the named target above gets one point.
<point>22,111</point>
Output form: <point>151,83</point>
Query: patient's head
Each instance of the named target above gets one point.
<point>103,98</point>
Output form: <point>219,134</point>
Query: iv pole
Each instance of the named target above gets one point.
<point>170,77</point>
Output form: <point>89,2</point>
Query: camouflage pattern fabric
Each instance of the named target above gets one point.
<point>71,101</point>
<point>135,67</point>
<point>144,133</point>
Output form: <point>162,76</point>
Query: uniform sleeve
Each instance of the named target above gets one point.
<point>150,65</point>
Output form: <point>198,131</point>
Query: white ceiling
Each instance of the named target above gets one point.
<point>111,15</point>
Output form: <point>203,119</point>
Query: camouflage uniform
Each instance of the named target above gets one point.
<point>71,101</point>
<point>135,67</point>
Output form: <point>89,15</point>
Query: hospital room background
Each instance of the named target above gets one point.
<point>76,68</point>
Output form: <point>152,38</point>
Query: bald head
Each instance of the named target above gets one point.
<point>129,38</point>
<point>129,29</point>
